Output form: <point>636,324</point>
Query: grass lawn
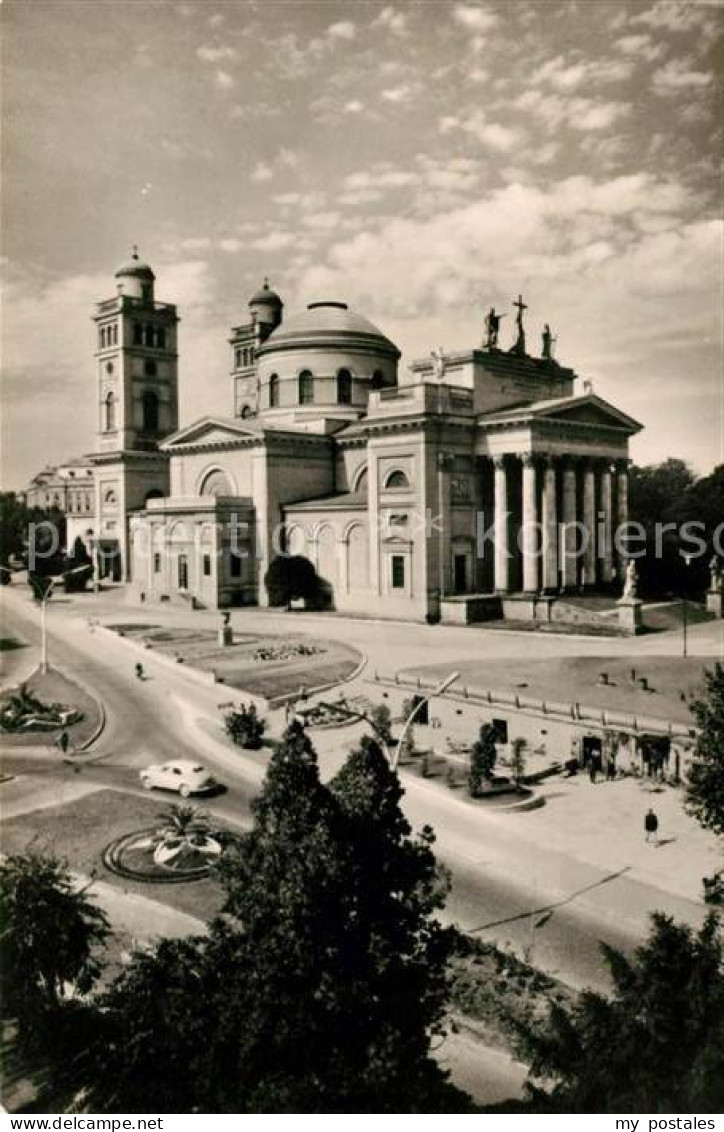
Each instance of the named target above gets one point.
<point>52,687</point>
<point>576,679</point>
<point>79,832</point>
<point>261,664</point>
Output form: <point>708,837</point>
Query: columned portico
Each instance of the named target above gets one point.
<point>502,573</point>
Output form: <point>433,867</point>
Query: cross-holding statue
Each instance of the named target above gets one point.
<point>438,363</point>
<point>548,343</point>
<point>492,328</point>
<point>518,346</point>
<point>715,575</point>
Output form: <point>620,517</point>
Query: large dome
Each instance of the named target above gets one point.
<point>325,323</point>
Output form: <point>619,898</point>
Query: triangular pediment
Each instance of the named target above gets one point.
<point>590,409</point>
<point>211,431</point>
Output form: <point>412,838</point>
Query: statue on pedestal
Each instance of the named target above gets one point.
<point>518,346</point>
<point>438,363</point>
<point>548,340</point>
<point>492,329</point>
<point>715,596</point>
<point>631,580</point>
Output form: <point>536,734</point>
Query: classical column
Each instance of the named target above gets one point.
<point>501,525</point>
<point>569,532</point>
<point>605,532</point>
<point>621,513</point>
<point>550,528</point>
<point>589,523</point>
<point>530,542</point>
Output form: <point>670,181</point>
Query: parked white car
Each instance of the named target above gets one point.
<point>183,776</point>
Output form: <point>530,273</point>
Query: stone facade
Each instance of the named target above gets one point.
<point>465,479</point>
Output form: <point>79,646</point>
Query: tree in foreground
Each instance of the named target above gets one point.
<point>322,983</point>
<point>50,935</point>
<point>655,1045</point>
<point>483,757</point>
<point>289,577</point>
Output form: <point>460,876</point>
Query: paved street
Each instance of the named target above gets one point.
<point>543,902</point>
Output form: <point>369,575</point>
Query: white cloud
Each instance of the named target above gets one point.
<point>640,46</point>
<point>493,135</point>
<point>398,94</point>
<point>568,75</point>
<point>354,106</point>
<point>474,17</point>
<point>321,221</point>
<point>208,53</point>
<point>262,172</point>
<point>224,80</point>
<point>344,29</point>
<point>273,241</point>
<point>676,15</point>
<point>230,244</point>
<point>196,244</point>
<point>391,20</point>
<point>679,74</point>
<point>576,112</point>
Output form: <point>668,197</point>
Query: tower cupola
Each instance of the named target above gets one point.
<point>135,279</point>
<point>266,306</point>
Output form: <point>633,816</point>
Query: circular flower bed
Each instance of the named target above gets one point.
<point>184,849</point>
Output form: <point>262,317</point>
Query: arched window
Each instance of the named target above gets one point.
<point>274,391</point>
<point>161,338</point>
<point>103,338</point>
<point>397,480</point>
<point>109,413</point>
<point>237,359</point>
<point>216,482</point>
<point>377,380</point>
<point>360,484</point>
<point>150,369</point>
<point>109,367</point>
<point>149,401</point>
<point>148,336</point>
<point>246,412</point>
<point>137,334</point>
<point>344,387</point>
<point>306,387</point>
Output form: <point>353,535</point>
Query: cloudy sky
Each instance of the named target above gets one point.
<point>420,160</point>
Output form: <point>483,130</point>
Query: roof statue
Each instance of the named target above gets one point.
<point>438,363</point>
<point>548,343</point>
<point>492,329</point>
<point>518,346</point>
<point>631,580</point>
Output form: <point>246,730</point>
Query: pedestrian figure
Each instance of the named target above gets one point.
<point>64,741</point>
<point>651,824</point>
<point>592,769</point>
<point>139,671</point>
<point>611,768</point>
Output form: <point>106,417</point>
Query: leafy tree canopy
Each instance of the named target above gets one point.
<point>322,983</point>
<point>655,1045</point>
<point>51,932</point>
<point>705,787</point>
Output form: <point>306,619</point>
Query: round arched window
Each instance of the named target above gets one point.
<point>344,387</point>
<point>397,480</point>
<point>274,391</point>
<point>306,387</point>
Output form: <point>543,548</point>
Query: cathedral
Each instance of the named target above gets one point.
<point>455,490</point>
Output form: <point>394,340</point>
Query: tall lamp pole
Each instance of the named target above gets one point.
<point>437,691</point>
<point>685,620</point>
<point>43,633</point>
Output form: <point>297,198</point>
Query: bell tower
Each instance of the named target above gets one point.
<point>136,387</point>
<point>136,363</point>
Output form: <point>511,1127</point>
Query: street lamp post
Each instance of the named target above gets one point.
<point>43,634</point>
<point>437,691</point>
<point>685,619</point>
